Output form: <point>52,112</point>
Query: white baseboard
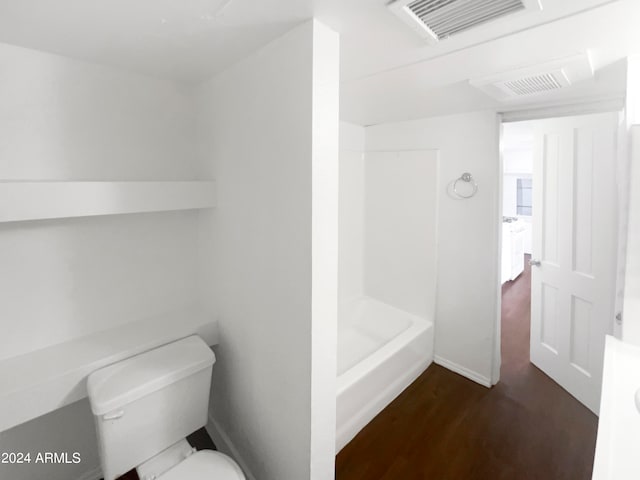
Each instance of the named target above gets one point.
<point>464,371</point>
<point>225,445</point>
<point>93,474</point>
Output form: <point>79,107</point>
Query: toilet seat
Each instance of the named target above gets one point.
<point>205,465</point>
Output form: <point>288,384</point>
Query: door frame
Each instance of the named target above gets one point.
<point>541,113</point>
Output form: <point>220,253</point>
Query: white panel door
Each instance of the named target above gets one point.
<point>574,241</point>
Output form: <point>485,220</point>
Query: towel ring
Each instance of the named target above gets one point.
<point>467,178</point>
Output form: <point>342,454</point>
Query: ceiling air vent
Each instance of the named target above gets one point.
<point>537,83</point>
<point>436,20</point>
<point>537,80</point>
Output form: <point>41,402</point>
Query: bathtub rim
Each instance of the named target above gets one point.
<point>365,366</point>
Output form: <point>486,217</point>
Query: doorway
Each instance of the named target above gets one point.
<point>559,212</point>
<point>517,149</point>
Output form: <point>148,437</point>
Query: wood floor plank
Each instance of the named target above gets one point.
<point>446,427</point>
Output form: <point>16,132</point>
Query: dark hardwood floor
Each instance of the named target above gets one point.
<point>445,427</point>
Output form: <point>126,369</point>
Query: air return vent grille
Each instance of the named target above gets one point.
<point>535,84</point>
<point>439,19</point>
<point>448,17</point>
<point>547,78</point>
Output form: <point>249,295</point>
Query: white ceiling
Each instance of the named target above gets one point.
<point>388,72</point>
<point>439,84</point>
<point>181,39</point>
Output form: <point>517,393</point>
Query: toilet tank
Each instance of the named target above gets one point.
<point>146,403</point>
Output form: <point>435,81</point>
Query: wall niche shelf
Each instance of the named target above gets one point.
<point>26,200</point>
<point>44,380</point>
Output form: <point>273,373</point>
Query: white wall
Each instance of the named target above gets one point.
<point>325,173</point>
<point>466,305</point>
<point>268,131</point>
<point>62,119</point>
<point>67,120</point>
<point>351,230</point>
<point>400,254</point>
<point>63,279</point>
<point>67,430</point>
<point>631,230</point>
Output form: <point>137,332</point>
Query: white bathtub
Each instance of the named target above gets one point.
<point>381,350</point>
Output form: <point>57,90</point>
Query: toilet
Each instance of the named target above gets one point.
<point>144,408</point>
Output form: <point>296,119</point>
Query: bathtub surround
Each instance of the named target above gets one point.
<point>268,133</point>
<point>400,218</point>
<point>467,252</point>
<point>351,192</point>
<point>267,271</point>
<point>388,208</point>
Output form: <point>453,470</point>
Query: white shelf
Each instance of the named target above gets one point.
<point>39,382</point>
<point>21,201</point>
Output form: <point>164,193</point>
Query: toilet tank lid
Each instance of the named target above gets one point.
<point>123,382</point>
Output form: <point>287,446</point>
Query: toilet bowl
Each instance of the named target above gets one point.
<point>145,406</point>
<point>182,461</point>
<point>205,465</point>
